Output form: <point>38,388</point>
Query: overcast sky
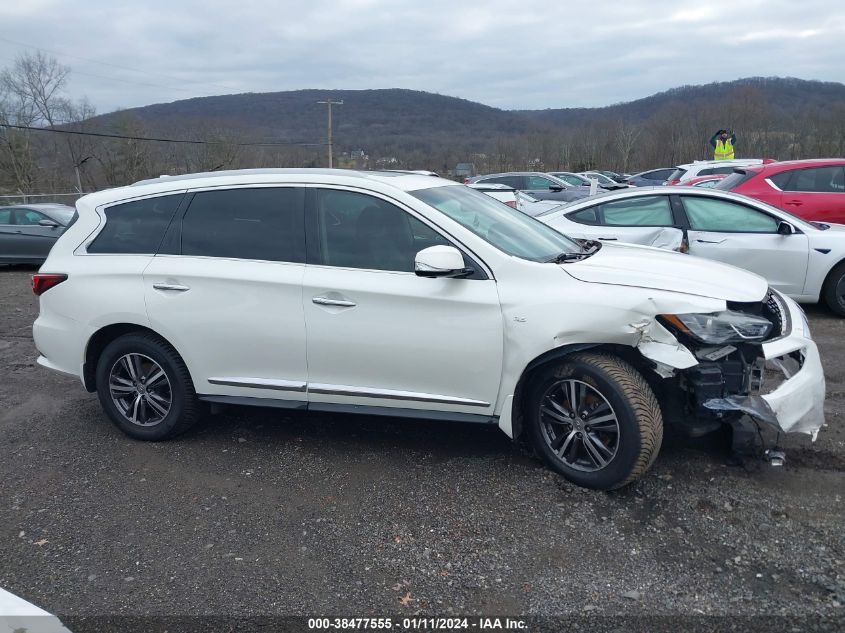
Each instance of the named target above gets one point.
<point>507,54</point>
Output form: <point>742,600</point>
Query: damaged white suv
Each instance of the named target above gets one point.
<point>406,295</point>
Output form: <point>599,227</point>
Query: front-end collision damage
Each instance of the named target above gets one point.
<point>779,383</point>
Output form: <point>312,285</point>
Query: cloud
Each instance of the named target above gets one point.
<point>527,55</point>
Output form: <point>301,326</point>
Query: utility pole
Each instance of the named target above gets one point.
<point>330,103</point>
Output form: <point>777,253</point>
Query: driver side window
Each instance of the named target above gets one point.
<point>361,231</point>
<point>712,214</point>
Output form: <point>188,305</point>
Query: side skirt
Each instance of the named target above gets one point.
<point>357,409</point>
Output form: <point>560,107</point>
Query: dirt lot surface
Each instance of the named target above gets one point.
<point>263,512</point>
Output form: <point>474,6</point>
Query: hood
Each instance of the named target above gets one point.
<point>645,267</point>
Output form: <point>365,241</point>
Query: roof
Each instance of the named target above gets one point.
<point>377,180</point>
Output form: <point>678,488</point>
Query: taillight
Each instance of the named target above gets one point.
<point>41,283</point>
<point>511,203</point>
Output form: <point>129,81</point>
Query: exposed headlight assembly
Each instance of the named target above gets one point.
<point>721,327</point>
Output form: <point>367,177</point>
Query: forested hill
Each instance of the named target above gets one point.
<point>412,120</point>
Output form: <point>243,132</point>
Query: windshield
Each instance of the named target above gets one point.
<point>505,228</point>
<point>734,180</point>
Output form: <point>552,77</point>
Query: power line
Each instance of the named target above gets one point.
<point>113,65</point>
<point>161,140</point>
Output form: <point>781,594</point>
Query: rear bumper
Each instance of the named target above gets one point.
<point>57,339</point>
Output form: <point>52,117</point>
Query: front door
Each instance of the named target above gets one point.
<point>226,290</point>
<point>379,335</point>
<point>739,235</point>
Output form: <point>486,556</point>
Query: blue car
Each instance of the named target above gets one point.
<point>651,178</point>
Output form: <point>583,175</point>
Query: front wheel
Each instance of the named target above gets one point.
<point>834,290</point>
<point>145,388</point>
<point>594,419</point>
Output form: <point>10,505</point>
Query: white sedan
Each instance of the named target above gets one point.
<point>801,259</point>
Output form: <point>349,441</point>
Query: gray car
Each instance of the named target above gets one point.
<point>28,232</point>
<point>536,184</point>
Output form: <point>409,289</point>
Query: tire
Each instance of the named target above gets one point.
<point>605,387</point>
<point>167,404</point>
<point>834,289</point>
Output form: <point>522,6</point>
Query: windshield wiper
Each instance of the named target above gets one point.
<point>590,248</point>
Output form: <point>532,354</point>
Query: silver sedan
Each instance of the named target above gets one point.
<point>28,232</point>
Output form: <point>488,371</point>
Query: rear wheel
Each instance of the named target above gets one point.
<point>834,289</point>
<point>595,420</point>
<point>145,388</point>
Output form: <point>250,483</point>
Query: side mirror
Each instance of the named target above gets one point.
<point>46,222</point>
<point>785,228</point>
<point>440,261</point>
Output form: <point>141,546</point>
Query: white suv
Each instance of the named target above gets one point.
<point>688,171</point>
<point>413,296</point>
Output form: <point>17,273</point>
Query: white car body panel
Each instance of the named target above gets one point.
<point>694,169</point>
<point>447,345</point>
<point>214,323</point>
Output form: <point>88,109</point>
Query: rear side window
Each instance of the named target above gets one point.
<point>510,181</point>
<point>135,227</point>
<point>646,211</point>
<point>5,216</point>
<point>259,223</point>
<point>781,180</point>
<point>659,174</point>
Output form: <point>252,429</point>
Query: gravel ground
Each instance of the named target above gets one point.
<point>258,513</point>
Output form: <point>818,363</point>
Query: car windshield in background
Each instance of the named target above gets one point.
<point>733,180</point>
<point>509,230</point>
<point>677,174</point>
<point>61,214</point>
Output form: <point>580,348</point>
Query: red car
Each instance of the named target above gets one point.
<point>811,189</point>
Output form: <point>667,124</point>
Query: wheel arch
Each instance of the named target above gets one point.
<point>100,339</point>
<point>551,357</point>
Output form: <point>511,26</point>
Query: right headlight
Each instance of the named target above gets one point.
<point>721,327</point>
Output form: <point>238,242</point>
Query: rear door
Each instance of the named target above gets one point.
<point>379,335</point>
<point>816,193</point>
<point>226,290</point>
<point>740,235</point>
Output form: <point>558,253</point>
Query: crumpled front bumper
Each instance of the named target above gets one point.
<point>797,404</point>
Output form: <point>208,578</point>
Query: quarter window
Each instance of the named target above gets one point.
<point>711,214</point>
<point>135,227</point>
<point>361,231</point>
<point>251,223</point>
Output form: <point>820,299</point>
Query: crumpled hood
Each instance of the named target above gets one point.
<point>646,267</point>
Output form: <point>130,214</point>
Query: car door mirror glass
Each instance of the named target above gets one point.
<point>785,228</point>
<point>439,261</point>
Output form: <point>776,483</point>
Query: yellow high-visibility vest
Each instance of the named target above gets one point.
<point>724,150</point>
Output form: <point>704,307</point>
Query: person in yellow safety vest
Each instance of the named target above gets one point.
<point>723,143</point>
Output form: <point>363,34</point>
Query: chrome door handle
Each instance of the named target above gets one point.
<point>175,287</point>
<point>325,301</point>
<point>609,239</point>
